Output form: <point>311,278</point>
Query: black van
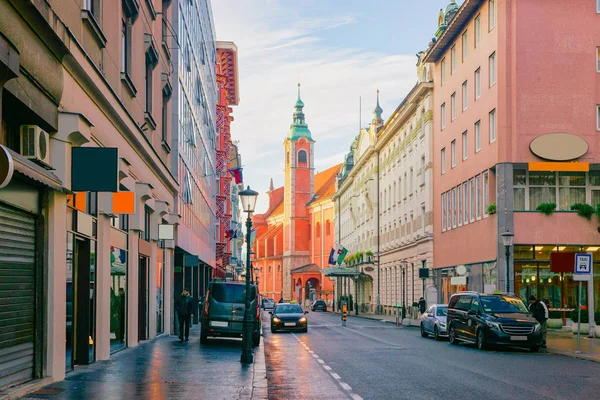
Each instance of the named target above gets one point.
<point>223,311</point>
<point>492,319</point>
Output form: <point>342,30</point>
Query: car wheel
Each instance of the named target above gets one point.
<point>481,345</point>
<point>452,335</point>
<point>305,329</point>
<point>436,333</point>
<point>423,333</point>
<point>203,336</point>
<point>273,330</point>
<point>534,349</point>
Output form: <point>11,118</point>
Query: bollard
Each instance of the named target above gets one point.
<point>397,315</point>
<point>344,313</point>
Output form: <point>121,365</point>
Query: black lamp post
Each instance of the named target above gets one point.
<point>248,199</point>
<point>507,239</point>
<point>404,264</point>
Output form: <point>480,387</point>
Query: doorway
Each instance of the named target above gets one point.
<point>143,292</point>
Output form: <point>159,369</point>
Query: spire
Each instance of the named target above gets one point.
<point>271,187</point>
<point>377,120</point>
<point>299,127</point>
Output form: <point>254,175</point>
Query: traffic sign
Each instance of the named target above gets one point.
<point>583,267</point>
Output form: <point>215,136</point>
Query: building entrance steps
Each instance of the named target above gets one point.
<point>169,369</point>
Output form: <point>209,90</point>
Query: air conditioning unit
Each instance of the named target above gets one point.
<point>35,144</point>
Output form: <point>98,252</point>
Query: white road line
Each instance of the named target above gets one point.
<point>327,367</point>
<point>355,396</point>
<point>336,376</point>
<point>321,361</point>
<point>315,356</point>
<point>311,352</point>
<point>345,386</point>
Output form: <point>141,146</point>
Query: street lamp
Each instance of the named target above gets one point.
<point>508,239</point>
<point>404,263</point>
<point>248,199</point>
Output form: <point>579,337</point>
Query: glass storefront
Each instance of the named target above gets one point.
<point>533,276</point>
<point>70,302</point>
<point>160,278</point>
<point>118,299</point>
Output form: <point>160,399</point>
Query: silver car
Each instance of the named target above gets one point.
<point>433,321</point>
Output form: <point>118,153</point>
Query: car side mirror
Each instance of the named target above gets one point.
<point>305,312</point>
<point>271,312</point>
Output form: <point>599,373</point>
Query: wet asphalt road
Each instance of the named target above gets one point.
<point>375,360</point>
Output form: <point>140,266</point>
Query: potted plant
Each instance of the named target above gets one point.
<point>547,208</point>
<point>491,209</point>
<point>359,257</point>
<point>583,210</point>
<point>585,325</point>
<point>555,321</point>
<point>369,254</point>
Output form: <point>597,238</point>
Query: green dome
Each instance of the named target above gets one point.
<point>299,128</point>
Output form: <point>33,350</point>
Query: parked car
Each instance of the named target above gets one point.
<point>433,321</point>
<point>288,317</point>
<point>319,305</point>
<point>492,319</point>
<point>268,303</point>
<point>223,313</point>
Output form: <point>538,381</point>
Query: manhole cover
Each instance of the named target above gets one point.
<point>47,392</point>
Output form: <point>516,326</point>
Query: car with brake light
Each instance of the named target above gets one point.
<point>288,317</point>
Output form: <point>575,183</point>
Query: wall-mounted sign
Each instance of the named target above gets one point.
<point>166,232</point>
<point>7,166</point>
<point>559,146</point>
<point>458,280</point>
<point>94,169</point>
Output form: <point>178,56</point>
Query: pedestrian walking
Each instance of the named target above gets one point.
<point>121,314</point>
<point>422,305</point>
<point>539,310</point>
<point>280,300</point>
<point>185,312</point>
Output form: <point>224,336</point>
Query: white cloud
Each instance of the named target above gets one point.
<point>274,47</point>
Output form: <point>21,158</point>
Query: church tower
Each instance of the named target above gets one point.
<point>298,191</point>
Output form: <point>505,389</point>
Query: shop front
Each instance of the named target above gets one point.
<point>477,277</point>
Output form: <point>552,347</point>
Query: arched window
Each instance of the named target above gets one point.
<point>318,230</point>
<point>328,228</point>
<point>270,268</point>
<point>302,157</point>
<point>279,268</point>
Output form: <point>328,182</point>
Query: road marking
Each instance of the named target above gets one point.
<point>327,367</point>
<point>345,386</point>
<point>336,376</point>
<point>311,352</point>
<point>321,361</point>
<point>355,396</point>
<point>315,356</point>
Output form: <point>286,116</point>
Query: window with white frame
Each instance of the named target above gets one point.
<point>492,13</point>
<point>443,70</point>
<point>412,179</point>
<point>443,115</point>
<point>423,170</point>
<point>465,146</point>
<point>465,95</point>
<point>464,46</point>
<point>478,83</point>
<point>453,153</point>
<point>443,160</point>
<point>477,30</point>
<point>598,115</point>
<point>453,106</point>
<point>598,6</point>
<point>478,194</point>
<point>443,212</point>
<point>465,187</point>
<point>492,126</point>
<point>472,200</point>
<point>477,136</point>
<point>453,207</point>
<point>486,193</point>
<point>460,205</point>
<point>492,69</point>
<point>453,59</point>
<point>449,206</point>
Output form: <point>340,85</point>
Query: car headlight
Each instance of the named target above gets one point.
<point>276,320</point>
<point>303,319</point>
<point>538,326</point>
<point>493,325</point>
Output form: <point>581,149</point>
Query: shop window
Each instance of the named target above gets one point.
<point>118,299</point>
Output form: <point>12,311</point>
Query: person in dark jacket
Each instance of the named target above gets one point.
<point>422,305</point>
<point>539,311</point>
<point>185,312</point>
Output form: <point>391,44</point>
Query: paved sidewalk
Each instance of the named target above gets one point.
<point>166,368</point>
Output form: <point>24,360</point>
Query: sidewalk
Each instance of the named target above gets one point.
<point>166,368</point>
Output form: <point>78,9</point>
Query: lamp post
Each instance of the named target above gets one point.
<point>404,264</point>
<point>248,199</point>
<point>508,239</point>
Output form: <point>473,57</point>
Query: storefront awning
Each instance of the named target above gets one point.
<point>333,272</point>
<point>36,172</point>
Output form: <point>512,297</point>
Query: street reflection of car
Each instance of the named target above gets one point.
<point>288,317</point>
<point>268,303</point>
<point>433,321</point>
<point>319,305</point>
<point>492,319</point>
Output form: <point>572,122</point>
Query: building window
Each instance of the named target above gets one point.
<point>453,207</point>
<point>598,115</point>
<point>165,118</point>
<point>598,6</point>
<point>318,230</point>
<point>460,205</point>
<point>453,59</point>
<point>486,193</point>
<point>412,179</point>
<point>542,188</point>
<point>148,78</point>
<point>443,212</point>
<point>492,13</point>
<point>492,126</point>
<point>302,157</point>
<point>449,206</point>
<point>493,69</point>
<point>478,83</point>
<point>423,170</point>
<point>477,30</point>
<point>443,115</point>
<point>465,186</point>
<point>453,153</point>
<point>453,106</point>
<point>472,200</point>
<point>126,46</point>
<point>479,190</point>
<point>477,136</point>
<point>598,57</point>
<point>147,213</point>
<point>93,7</point>
<point>444,160</point>
<point>423,222</point>
<point>465,95</point>
<point>443,72</point>
<point>464,45</point>
<point>465,146</point>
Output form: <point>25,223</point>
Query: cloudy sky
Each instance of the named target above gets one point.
<point>341,49</point>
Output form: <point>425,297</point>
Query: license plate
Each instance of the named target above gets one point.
<point>290,324</point>
<point>518,338</point>
<point>222,324</point>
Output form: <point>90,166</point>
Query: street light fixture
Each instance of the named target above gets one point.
<point>248,199</point>
<point>404,263</point>
<point>508,239</point>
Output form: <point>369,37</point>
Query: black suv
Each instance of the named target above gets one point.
<point>319,305</point>
<point>498,319</point>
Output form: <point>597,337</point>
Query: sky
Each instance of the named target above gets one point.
<point>339,50</point>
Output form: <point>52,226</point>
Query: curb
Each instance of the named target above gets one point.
<point>24,389</point>
<point>259,374</point>
<point>572,355</point>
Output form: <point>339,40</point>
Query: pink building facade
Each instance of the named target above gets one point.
<point>517,119</point>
